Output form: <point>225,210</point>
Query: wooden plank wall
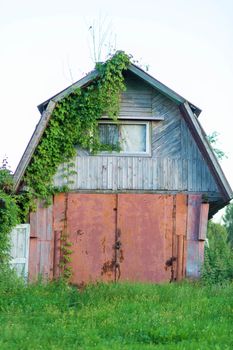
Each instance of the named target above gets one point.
<point>175,162</point>
<point>196,234</point>
<point>138,173</point>
<point>41,243</point>
<point>19,252</point>
<point>136,101</point>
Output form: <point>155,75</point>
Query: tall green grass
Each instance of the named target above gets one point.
<point>115,316</point>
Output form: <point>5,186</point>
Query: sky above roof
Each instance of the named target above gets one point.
<point>46,46</point>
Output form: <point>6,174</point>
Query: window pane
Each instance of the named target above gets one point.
<point>109,134</point>
<point>133,138</point>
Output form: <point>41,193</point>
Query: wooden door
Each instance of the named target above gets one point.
<point>20,249</point>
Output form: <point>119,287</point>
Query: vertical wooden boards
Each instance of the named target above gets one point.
<point>180,231</point>
<point>41,243</point>
<point>197,222</point>
<point>144,225</point>
<point>203,221</point>
<point>20,249</point>
<point>174,164</point>
<point>139,173</point>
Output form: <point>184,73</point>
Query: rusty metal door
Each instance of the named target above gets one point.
<point>91,222</point>
<point>134,237</point>
<point>145,228</point>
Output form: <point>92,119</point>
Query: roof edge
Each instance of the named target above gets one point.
<point>32,144</point>
<point>132,68</point>
<point>162,88</point>
<point>80,83</point>
<point>207,151</point>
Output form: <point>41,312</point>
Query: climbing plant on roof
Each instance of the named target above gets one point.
<point>73,122</point>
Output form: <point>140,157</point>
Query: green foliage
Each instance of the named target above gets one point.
<point>74,122</point>
<point>9,213</point>
<point>228,223</point>
<point>218,264</point>
<point>66,251</point>
<point>115,316</point>
<point>213,140</point>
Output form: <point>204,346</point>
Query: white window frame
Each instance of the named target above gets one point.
<point>122,153</point>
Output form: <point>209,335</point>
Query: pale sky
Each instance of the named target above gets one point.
<point>44,45</point>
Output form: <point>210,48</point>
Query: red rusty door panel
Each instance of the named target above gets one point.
<point>134,237</point>
<point>91,222</point>
<point>144,227</point>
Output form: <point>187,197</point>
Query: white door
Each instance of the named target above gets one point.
<point>20,249</point>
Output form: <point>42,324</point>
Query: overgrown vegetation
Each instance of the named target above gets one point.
<point>218,263</point>
<point>115,316</point>
<point>228,223</point>
<point>73,123</point>
<point>9,212</point>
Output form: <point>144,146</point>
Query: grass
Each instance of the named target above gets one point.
<point>115,316</point>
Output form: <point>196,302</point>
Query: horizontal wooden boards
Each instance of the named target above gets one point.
<point>138,101</point>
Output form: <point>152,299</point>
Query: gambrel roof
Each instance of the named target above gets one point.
<point>189,111</point>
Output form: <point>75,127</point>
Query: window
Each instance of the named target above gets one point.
<point>125,137</point>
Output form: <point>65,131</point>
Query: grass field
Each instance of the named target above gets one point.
<point>115,316</point>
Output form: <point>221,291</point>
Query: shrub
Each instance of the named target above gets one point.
<point>8,212</point>
<point>218,264</point>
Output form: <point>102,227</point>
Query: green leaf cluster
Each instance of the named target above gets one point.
<point>218,263</point>
<point>213,140</point>
<point>74,122</point>
<point>9,212</point>
<point>228,222</point>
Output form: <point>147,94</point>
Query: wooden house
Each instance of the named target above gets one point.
<point>139,214</point>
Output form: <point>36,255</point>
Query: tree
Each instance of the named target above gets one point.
<point>218,263</point>
<point>213,140</point>
<point>228,222</point>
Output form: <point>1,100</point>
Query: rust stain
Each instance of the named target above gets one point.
<point>121,257</point>
<point>169,262</point>
<point>144,223</point>
<point>91,225</point>
<point>79,233</point>
<point>135,237</point>
<point>103,241</point>
<point>107,267</point>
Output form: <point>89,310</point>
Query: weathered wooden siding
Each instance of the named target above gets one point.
<point>41,242</point>
<point>175,162</point>
<point>138,173</point>
<point>19,252</point>
<point>196,234</point>
<point>139,101</point>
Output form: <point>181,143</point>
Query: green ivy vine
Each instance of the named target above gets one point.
<point>73,123</point>
<point>9,212</point>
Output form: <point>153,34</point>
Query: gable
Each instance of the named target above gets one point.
<point>175,162</point>
<point>147,99</point>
